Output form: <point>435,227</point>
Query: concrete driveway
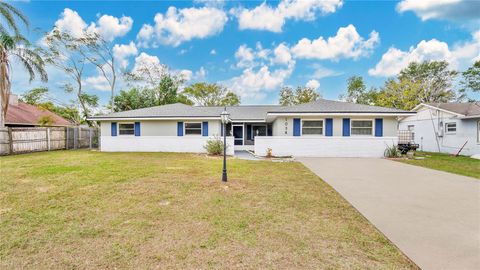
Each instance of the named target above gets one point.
<point>432,216</point>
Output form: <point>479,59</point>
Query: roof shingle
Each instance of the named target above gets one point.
<point>249,112</point>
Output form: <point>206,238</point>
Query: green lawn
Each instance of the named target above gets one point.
<point>90,210</point>
<point>460,165</point>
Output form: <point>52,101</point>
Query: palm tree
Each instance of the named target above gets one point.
<point>17,47</point>
<point>8,12</point>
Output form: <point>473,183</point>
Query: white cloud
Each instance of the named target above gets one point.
<point>245,56</point>
<point>253,83</point>
<point>265,17</point>
<point>144,37</point>
<point>110,27</point>
<point>70,22</point>
<point>282,54</point>
<point>146,60</point>
<point>123,51</point>
<point>98,82</point>
<point>107,26</point>
<point>346,44</point>
<point>314,84</point>
<point>460,56</point>
<point>213,52</point>
<point>177,26</point>
<point>442,9</point>
<point>323,72</point>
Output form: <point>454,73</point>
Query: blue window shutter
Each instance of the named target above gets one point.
<point>179,128</point>
<point>137,129</point>
<point>329,127</point>
<point>204,128</point>
<point>296,127</point>
<point>378,127</point>
<point>346,127</point>
<point>114,129</point>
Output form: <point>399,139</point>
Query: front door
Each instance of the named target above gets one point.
<point>238,134</point>
<point>259,131</point>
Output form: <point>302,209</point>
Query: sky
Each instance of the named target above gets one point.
<point>256,47</point>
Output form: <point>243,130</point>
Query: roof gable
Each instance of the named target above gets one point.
<point>466,109</point>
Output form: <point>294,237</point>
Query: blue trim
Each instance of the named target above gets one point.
<point>179,128</point>
<point>114,129</point>
<point>346,127</point>
<point>329,127</point>
<point>204,128</point>
<point>378,127</point>
<point>137,129</point>
<point>296,127</point>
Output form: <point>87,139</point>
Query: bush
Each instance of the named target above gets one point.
<point>214,146</point>
<point>392,151</point>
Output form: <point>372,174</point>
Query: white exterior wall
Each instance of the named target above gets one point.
<point>160,127</point>
<point>430,122</point>
<point>188,144</point>
<point>319,146</point>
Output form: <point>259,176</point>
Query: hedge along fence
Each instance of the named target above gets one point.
<point>16,140</point>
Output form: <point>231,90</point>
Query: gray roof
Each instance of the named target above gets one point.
<point>331,106</point>
<point>248,112</point>
<point>464,108</point>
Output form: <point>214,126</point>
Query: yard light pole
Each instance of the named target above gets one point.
<point>225,117</point>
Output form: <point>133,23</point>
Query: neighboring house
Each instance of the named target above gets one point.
<point>321,128</point>
<point>21,114</point>
<point>446,127</point>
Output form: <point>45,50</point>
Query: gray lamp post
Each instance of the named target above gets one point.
<point>225,118</point>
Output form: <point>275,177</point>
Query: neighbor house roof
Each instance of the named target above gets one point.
<point>20,113</point>
<point>466,109</point>
<point>248,112</point>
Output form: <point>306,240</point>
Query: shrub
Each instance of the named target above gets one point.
<point>214,146</point>
<point>392,151</point>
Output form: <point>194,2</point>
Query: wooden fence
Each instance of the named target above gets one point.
<point>17,140</point>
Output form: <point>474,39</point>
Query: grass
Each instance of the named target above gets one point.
<point>86,210</point>
<point>444,162</point>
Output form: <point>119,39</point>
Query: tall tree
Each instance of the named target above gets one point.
<point>301,95</point>
<point>67,53</point>
<point>9,13</point>
<point>356,91</point>
<point>166,91</point>
<point>15,46</point>
<point>98,52</point>
<point>18,48</point>
<point>471,78</point>
<point>211,94</point>
<point>35,96</point>
<point>434,79</point>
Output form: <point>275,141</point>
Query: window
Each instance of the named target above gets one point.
<point>193,128</point>
<point>126,129</point>
<point>451,127</point>
<point>478,131</point>
<point>362,127</point>
<point>312,127</point>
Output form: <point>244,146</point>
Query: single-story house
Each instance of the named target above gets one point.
<point>20,114</point>
<point>323,128</point>
<point>446,127</point>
